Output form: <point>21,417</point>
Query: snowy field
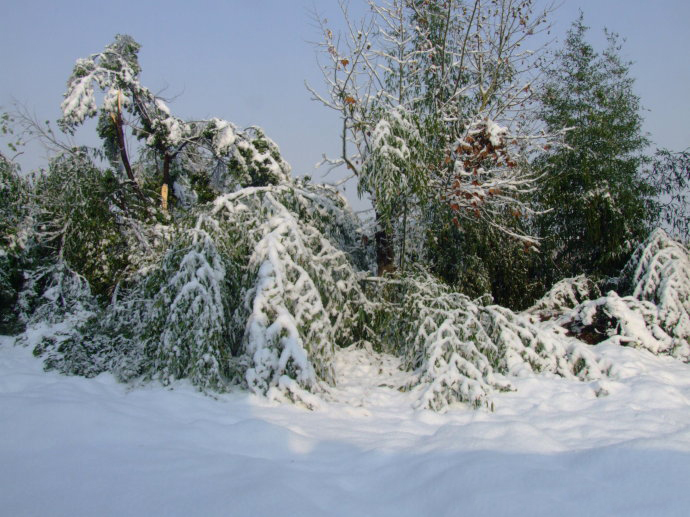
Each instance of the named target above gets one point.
<point>71,446</point>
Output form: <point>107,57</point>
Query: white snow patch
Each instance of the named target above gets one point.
<point>71,446</point>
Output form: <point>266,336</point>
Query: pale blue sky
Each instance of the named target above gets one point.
<point>246,61</point>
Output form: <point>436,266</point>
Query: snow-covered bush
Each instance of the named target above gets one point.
<point>655,313</point>
<point>659,272</point>
<point>14,234</point>
<point>82,216</point>
<point>457,345</point>
<point>186,331</point>
<point>626,320</point>
<point>254,288</point>
<point>300,291</point>
<point>256,161</point>
<point>56,304</point>
<point>564,295</point>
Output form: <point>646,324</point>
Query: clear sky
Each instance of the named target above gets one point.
<point>246,60</point>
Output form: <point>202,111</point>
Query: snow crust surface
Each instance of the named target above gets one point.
<point>75,446</point>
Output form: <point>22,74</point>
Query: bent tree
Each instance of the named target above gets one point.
<point>245,154</point>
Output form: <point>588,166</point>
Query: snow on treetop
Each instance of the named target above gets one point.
<point>224,136</point>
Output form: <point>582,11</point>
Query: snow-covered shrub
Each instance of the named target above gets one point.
<point>14,234</point>
<point>564,295</point>
<point>626,320</point>
<point>82,216</point>
<point>659,272</point>
<point>186,330</point>
<point>56,304</point>
<point>436,332</point>
<point>655,313</point>
<point>8,292</point>
<point>13,201</point>
<point>257,161</point>
<point>300,292</point>
<point>456,345</point>
<point>252,289</point>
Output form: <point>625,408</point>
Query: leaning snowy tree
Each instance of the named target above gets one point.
<point>433,98</point>
<point>247,157</point>
<point>252,281</point>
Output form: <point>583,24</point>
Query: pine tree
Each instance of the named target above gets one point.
<point>598,206</point>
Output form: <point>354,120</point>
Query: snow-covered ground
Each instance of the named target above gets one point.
<point>71,446</point>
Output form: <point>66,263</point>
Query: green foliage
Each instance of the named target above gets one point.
<point>13,207</point>
<point>81,212</point>
<point>477,259</point>
<point>258,162</point>
<point>392,171</point>
<point>596,202</point>
<point>670,176</point>
<point>56,304</point>
<point>186,332</point>
<point>14,237</point>
<point>456,345</point>
<point>7,131</point>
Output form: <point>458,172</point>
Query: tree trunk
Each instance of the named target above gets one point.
<point>121,145</point>
<point>117,119</point>
<point>384,248</point>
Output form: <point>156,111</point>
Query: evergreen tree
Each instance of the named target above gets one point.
<point>597,204</point>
